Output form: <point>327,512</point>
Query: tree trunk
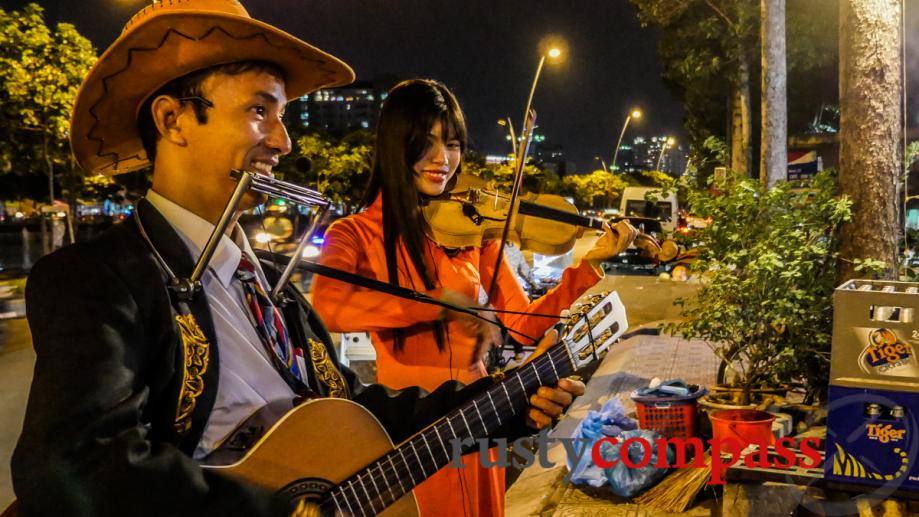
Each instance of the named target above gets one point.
<point>740,121</point>
<point>46,230</point>
<point>773,163</point>
<point>50,167</point>
<point>870,85</point>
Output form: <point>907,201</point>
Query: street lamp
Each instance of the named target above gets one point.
<point>664,145</point>
<point>553,53</point>
<point>510,132</point>
<point>602,163</point>
<point>636,113</point>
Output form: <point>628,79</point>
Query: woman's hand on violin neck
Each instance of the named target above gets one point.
<point>614,241</point>
<point>486,331</point>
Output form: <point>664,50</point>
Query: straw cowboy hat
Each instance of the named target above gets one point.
<point>167,40</point>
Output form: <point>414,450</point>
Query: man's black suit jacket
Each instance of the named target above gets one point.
<point>98,437</point>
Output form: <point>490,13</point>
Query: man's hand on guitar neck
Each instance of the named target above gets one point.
<point>548,403</point>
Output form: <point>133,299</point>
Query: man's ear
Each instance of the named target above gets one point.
<point>167,114</point>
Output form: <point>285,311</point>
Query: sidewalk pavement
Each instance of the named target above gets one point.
<point>16,362</point>
<point>629,365</point>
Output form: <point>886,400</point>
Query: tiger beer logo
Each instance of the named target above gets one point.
<point>846,464</point>
<point>885,433</point>
<point>885,353</point>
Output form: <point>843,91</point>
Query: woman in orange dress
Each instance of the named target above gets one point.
<point>421,136</point>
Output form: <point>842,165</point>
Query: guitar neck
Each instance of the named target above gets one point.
<point>390,477</point>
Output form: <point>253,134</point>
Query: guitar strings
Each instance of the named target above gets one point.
<point>413,462</point>
<point>416,465</point>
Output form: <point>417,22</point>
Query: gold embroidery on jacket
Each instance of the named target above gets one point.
<point>326,371</point>
<point>195,348</point>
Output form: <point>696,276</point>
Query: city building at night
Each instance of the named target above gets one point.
<point>644,153</point>
<point>344,109</point>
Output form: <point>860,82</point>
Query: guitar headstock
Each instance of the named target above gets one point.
<point>593,326</point>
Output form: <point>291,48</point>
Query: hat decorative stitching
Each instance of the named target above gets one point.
<point>114,157</point>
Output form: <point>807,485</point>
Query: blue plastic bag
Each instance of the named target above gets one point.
<point>629,481</point>
<point>611,421</point>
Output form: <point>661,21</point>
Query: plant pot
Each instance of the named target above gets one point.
<point>747,426</point>
<point>714,401</point>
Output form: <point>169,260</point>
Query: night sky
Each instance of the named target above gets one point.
<point>487,53</point>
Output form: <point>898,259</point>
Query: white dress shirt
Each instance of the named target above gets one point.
<point>247,378</point>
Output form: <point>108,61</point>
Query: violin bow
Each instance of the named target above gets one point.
<point>521,157</point>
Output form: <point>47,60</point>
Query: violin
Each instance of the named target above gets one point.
<point>473,211</point>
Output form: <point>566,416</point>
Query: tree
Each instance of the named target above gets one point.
<point>870,84</point>
<point>773,163</point>
<point>593,190</point>
<point>704,46</point>
<point>535,179</point>
<point>340,169</point>
<point>767,262</point>
<point>40,72</point>
<point>707,50</point>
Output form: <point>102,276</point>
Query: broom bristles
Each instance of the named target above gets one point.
<point>679,489</point>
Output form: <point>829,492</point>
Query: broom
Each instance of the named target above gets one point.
<point>678,490</point>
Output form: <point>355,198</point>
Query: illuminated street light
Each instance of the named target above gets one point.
<point>636,114</point>
<point>664,146</point>
<point>510,131</point>
<point>605,168</point>
<point>554,52</point>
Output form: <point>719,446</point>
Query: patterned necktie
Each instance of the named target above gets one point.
<point>271,329</point>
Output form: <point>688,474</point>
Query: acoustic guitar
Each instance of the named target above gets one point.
<point>332,456</point>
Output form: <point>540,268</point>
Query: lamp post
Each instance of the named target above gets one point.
<point>664,145</point>
<point>605,168</point>
<point>553,53</point>
<point>636,113</point>
<point>510,132</point>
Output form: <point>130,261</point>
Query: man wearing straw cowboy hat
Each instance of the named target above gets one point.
<point>135,382</point>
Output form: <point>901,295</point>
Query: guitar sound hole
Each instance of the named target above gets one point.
<point>306,494</point>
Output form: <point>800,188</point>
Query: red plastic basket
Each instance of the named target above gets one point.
<point>672,417</point>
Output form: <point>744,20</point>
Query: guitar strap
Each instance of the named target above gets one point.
<point>195,350</point>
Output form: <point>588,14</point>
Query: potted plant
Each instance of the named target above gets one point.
<point>767,264</point>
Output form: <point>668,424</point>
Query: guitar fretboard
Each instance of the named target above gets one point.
<point>398,472</point>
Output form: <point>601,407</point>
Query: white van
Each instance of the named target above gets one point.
<point>650,202</point>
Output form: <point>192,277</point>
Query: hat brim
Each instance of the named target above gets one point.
<point>104,136</point>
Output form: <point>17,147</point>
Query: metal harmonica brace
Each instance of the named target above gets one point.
<point>274,188</point>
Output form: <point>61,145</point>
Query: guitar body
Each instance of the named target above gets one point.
<point>313,448</point>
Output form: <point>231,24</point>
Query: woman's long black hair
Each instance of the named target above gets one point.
<point>408,113</point>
